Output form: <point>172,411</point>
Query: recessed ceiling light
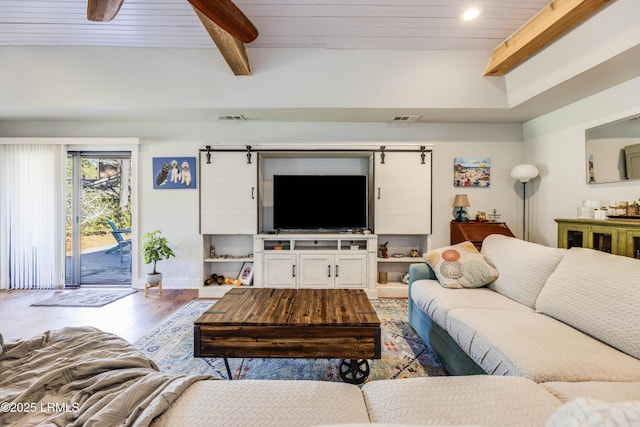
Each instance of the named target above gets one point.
<point>471,13</point>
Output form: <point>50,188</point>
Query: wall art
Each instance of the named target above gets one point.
<point>174,172</point>
<point>471,172</point>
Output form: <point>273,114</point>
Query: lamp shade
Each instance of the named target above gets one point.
<point>524,173</point>
<point>461,200</point>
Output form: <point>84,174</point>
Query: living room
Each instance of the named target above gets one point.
<point>447,85</point>
<point>163,102</point>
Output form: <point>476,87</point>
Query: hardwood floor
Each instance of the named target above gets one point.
<point>130,317</point>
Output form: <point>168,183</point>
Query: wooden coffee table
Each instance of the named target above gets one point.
<point>292,323</point>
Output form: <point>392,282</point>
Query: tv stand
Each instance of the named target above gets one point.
<point>316,260</point>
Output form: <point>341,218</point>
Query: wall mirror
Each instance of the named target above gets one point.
<point>613,151</point>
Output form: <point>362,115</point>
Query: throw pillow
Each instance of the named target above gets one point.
<point>461,266</point>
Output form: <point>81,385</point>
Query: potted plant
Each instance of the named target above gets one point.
<point>155,248</point>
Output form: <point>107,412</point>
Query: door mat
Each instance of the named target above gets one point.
<point>404,354</point>
<point>85,298</point>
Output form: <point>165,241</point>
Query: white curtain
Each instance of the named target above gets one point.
<point>32,216</point>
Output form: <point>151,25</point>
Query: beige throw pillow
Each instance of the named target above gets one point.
<point>461,266</point>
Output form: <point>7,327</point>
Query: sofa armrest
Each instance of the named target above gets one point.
<point>420,271</point>
<point>417,271</point>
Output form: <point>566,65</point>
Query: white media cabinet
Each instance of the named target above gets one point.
<point>236,201</point>
<point>316,260</point>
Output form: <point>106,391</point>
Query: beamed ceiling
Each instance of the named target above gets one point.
<point>516,29</point>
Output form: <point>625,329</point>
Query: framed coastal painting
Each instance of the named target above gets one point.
<point>471,172</point>
<point>174,172</point>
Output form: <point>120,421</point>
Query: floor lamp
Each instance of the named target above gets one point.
<point>524,173</point>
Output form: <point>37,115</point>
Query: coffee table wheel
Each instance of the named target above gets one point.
<point>354,371</point>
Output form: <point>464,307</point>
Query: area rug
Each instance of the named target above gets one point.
<point>85,297</point>
<point>404,354</point>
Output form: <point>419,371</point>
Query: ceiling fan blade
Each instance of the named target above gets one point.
<point>227,15</point>
<point>103,10</point>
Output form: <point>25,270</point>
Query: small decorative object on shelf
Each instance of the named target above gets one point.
<point>216,279</point>
<point>481,216</point>
<point>600,210</point>
<point>384,251</point>
<point>621,208</point>
<point>405,278</point>
<point>246,274</point>
<point>382,277</point>
<point>494,216</point>
<point>414,253</point>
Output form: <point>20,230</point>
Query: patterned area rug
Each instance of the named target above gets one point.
<point>404,354</point>
<point>85,297</point>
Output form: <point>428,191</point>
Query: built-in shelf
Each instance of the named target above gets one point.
<point>223,259</point>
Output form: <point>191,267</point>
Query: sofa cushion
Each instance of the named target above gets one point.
<point>275,403</point>
<point>538,347</point>
<point>436,301</point>
<point>590,412</point>
<point>606,391</point>
<point>460,266</point>
<point>476,399</point>
<point>599,294</point>
<point>524,267</point>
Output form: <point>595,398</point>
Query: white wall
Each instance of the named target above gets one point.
<point>555,143</point>
<point>176,211</point>
<point>97,81</point>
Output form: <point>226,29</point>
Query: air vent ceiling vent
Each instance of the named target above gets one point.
<point>403,119</point>
<point>231,118</point>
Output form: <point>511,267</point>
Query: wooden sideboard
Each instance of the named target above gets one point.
<point>616,236</point>
<point>476,231</point>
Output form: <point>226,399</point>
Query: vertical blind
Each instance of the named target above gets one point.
<point>32,216</point>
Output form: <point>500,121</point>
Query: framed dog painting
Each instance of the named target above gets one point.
<point>174,172</point>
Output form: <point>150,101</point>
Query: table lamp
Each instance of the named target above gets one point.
<point>461,201</point>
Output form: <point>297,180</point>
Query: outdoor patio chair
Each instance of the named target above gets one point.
<point>122,243</point>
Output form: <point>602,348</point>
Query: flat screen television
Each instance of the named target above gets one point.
<point>320,202</point>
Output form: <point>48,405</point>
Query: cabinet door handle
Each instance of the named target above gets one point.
<point>293,272</point>
<point>336,270</point>
<point>329,270</point>
<point>253,190</point>
<point>378,193</point>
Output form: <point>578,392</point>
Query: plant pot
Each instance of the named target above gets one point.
<point>154,278</point>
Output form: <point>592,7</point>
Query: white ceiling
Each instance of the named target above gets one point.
<point>323,24</point>
<point>340,24</point>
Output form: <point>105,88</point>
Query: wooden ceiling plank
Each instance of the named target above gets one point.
<point>103,10</point>
<point>232,49</point>
<point>553,21</point>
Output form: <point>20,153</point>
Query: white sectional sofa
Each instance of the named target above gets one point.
<point>551,315</point>
<point>553,341</point>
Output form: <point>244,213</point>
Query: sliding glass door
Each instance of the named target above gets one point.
<point>98,220</point>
